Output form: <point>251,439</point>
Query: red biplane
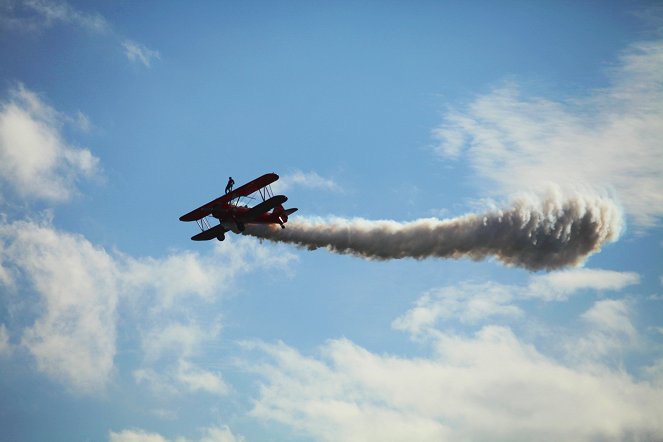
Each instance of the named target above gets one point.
<point>233,214</point>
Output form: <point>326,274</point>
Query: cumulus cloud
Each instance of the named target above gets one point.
<point>79,285</point>
<point>73,339</point>
<point>609,140</point>
<point>35,160</point>
<point>487,386</point>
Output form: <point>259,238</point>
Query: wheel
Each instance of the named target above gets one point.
<point>221,237</point>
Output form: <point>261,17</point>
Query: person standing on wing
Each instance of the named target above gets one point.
<point>231,183</point>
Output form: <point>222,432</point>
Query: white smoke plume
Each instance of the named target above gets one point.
<point>536,234</point>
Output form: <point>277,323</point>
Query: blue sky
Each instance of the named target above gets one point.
<point>117,117</point>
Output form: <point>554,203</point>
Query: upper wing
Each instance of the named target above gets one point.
<point>245,190</point>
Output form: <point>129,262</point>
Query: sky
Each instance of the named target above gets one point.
<point>118,117</point>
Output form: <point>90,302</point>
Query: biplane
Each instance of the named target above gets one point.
<point>233,214</point>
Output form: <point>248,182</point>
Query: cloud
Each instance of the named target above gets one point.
<point>474,303</point>
<point>39,15</point>
<point>35,160</point>
<point>467,303</point>
<point>167,368</point>
<point>210,434</point>
<point>560,285</point>
<point>487,386</point>
<point>183,377</point>
<point>308,180</point>
<point>610,331</point>
<point>140,53</point>
<point>54,12</point>
<point>73,338</point>
<point>135,436</point>
<point>79,286</point>
<point>608,141</point>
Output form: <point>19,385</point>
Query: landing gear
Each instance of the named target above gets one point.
<point>221,237</point>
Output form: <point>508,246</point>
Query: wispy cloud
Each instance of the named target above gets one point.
<point>54,12</point>
<point>140,53</point>
<point>35,159</point>
<point>307,180</point>
<point>561,285</point>
<point>608,141</point>
<point>40,15</point>
<point>473,303</point>
<point>210,434</point>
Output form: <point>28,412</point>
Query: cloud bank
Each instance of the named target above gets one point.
<point>486,385</point>
<point>79,287</point>
<point>550,233</point>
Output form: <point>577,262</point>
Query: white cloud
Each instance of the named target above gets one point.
<point>489,386</point>
<point>196,379</point>
<point>140,53</point>
<point>38,15</point>
<point>135,436</point>
<point>79,285</point>
<point>168,369</point>
<point>210,434</point>
<point>61,12</point>
<point>610,333</point>
<point>180,378</point>
<point>607,142</point>
<point>472,303</point>
<point>467,303</point>
<point>309,180</point>
<point>73,339</point>
<point>35,160</point>
<point>182,340</point>
<point>560,285</point>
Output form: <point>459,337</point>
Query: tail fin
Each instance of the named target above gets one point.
<point>283,213</point>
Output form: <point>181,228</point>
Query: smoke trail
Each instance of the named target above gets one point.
<point>535,234</point>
